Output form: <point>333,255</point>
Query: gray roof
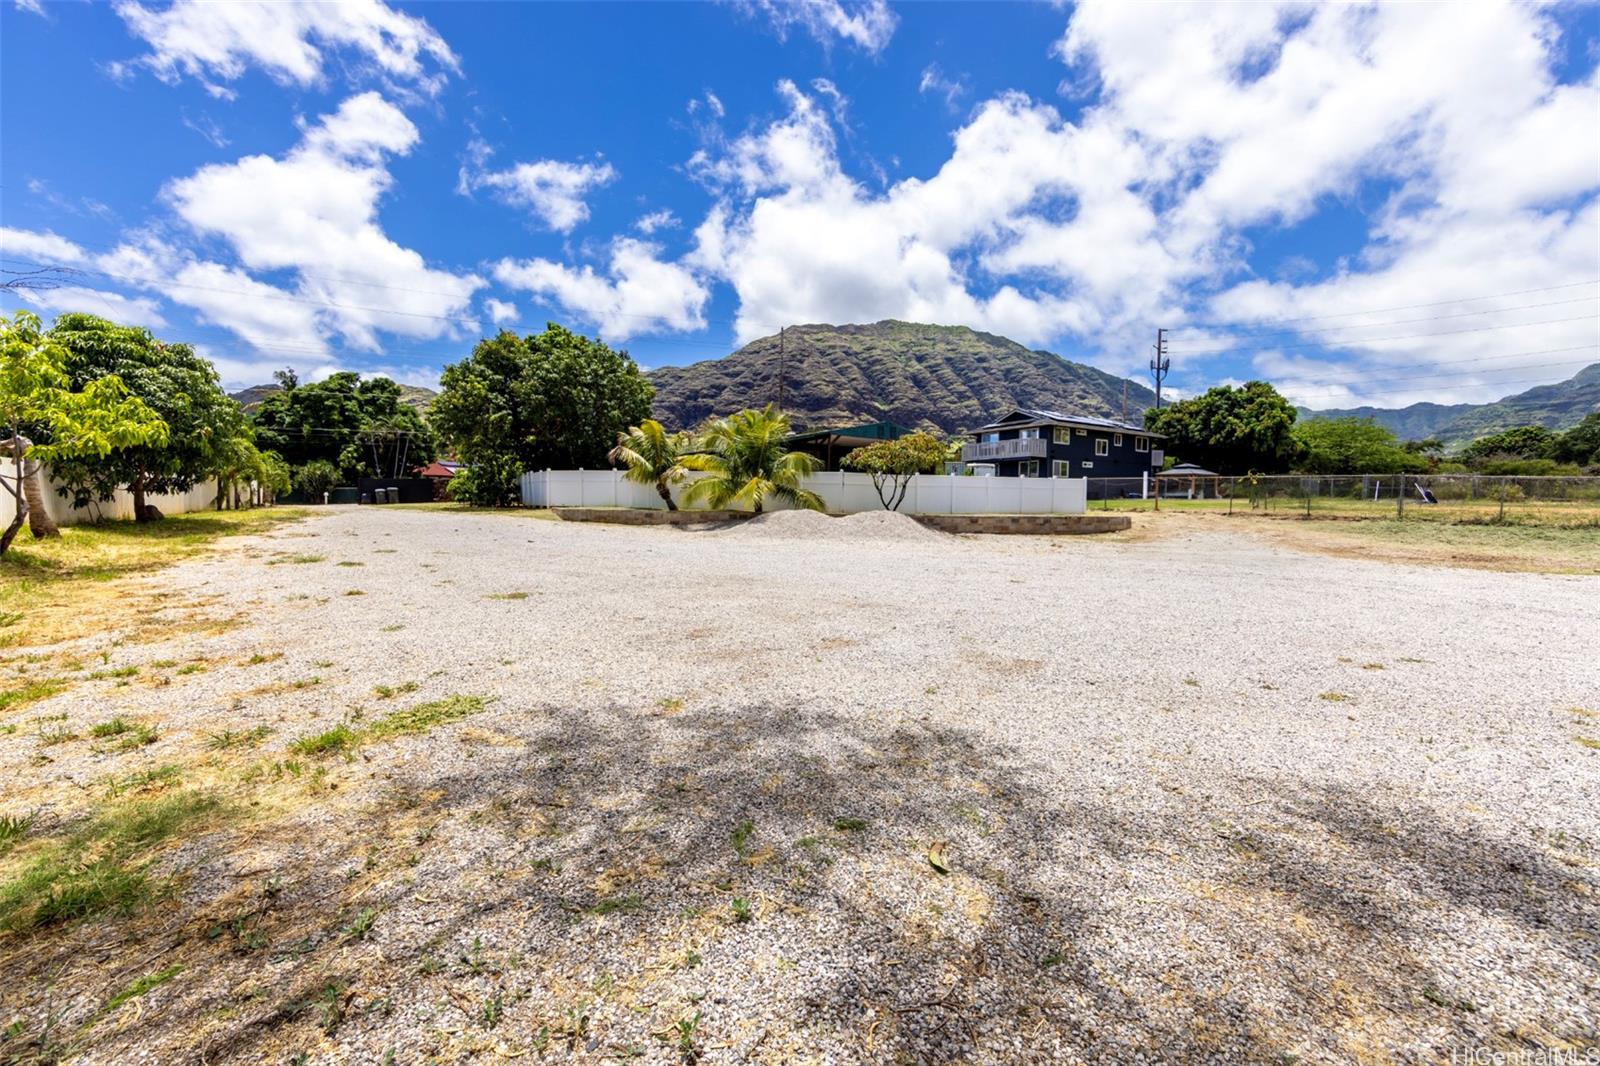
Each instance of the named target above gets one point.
<point>1187,470</point>
<point>1036,414</point>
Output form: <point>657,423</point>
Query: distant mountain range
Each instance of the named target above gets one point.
<point>948,378</point>
<point>411,395</point>
<point>954,379</point>
<point>1558,406</point>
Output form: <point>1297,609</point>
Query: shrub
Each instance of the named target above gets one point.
<point>315,478</point>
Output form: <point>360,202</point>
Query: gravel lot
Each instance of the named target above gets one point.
<point>1199,798</point>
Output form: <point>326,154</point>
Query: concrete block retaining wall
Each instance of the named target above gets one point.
<point>1035,524</point>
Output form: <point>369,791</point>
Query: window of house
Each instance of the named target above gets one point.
<point>1119,440</point>
<point>1028,434</point>
<point>1030,468</point>
<point>1102,446</point>
<point>1087,464</point>
<point>1063,435</point>
<point>1083,433</point>
<point>988,438</point>
<point>1141,444</point>
<point>1059,468</point>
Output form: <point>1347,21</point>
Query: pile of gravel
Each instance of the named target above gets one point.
<point>812,525</point>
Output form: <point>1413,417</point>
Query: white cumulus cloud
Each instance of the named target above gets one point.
<point>552,190</point>
<point>637,293</point>
<point>289,39</point>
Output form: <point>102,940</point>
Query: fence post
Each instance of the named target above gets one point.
<point>1400,496</point>
<point>1502,500</point>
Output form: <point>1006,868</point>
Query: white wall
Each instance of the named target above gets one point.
<point>199,498</point>
<point>843,493</point>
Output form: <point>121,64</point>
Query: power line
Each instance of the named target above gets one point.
<point>1374,340</point>
<point>1430,318</point>
<point>1405,307</point>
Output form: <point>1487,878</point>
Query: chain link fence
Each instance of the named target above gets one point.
<point>1458,498</point>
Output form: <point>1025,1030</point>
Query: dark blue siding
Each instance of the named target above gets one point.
<point>1119,461</point>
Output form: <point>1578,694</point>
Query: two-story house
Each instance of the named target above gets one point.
<point>1031,443</point>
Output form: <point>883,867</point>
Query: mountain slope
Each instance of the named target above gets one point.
<point>411,395</point>
<point>948,378</point>
<point>1558,406</point>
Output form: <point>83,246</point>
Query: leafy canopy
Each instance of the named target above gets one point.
<point>1581,443</point>
<point>893,463</point>
<point>1351,446</point>
<point>1519,442</point>
<point>745,459</point>
<point>362,427</point>
<point>1230,430</point>
<point>553,399</point>
<point>37,397</point>
<point>179,386</point>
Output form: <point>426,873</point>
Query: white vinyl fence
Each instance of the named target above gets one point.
<point>843,493</point>
<point>199,498</point>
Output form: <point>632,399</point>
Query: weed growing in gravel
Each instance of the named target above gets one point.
<point>685,1031</point>
<point>493,1007</point>
<point>384,692</point>
<point>1334,697</point>
<point>113,728</point>
<point>31,692</point>
<point>361,924</point>
<point>336,741</point>
<point>392,628</point>
<point>305,682</point>
<point>296,559</point>
<point>137,737</point>
<point>740,837</point>
<point>140,985</point>
<point>741,910</point>
<point>102,867</point>
<point>355,592</point>
<point>850,825</point>
<point>1439,999</point>
<point>632,903</point>
<point>506,596</point>
<point>670,705</point>
<point>1588,742</point>
<point>13,827</point>
<point>55,735</point>
<point>121,671</point>
<point>351,562</point>
<point>160,777</point>
<point>425,716</point>
<point>191,668</point>
<point>262,657</point>
<point>230,738</point>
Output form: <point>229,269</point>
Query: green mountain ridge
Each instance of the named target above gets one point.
<point>1557,407</point>
<point>947,378</point>
<point>416,396</point>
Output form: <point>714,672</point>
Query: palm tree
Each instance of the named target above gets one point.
<point>745,460</point>
<point>652,457</point>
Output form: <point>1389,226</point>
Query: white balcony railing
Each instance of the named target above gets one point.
<point>1031,448</point>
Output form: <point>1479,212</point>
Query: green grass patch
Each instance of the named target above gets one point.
<point>850,825</point>
<point>336,741</point>
<point>300,559</point>
<point>32,692</point>
<point>140,985</point>
<point>100,868</point>
<point>425,716</point>
<point>13,827</point>
<point>506,596</point>
<point>232,738</point>
<point>114,728</point>
<point>632,903</point>
<point>1588,742</point>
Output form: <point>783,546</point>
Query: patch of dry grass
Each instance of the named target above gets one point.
<point>62,589</point>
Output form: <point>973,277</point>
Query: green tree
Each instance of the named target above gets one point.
<point>314,478</point>
<point>178,385</point>
<point>361,426</point>
<point>1581,443</point>
<point>552,399</point>
<point>1518,442</point>
<point>652,456</point>
<point>84,424</point>
<point>893,463</point>
<point>1351,446</point>
<point>1230,430</point>
<point>745,460</point>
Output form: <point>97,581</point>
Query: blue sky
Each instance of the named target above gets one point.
<point>1362,204</point>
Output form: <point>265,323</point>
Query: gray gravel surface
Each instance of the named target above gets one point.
<point>1197,799</point>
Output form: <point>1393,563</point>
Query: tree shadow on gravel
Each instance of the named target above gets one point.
<point>571,885</point>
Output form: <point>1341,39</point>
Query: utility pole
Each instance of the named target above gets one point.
<point>782,364</point>
<point>1160,364</point>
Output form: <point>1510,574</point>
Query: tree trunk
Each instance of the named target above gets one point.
<point>756,508</point>
<point>666,494</point>
<point>139,514</point>
<point>17,494</point>
<point>40,524</point>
